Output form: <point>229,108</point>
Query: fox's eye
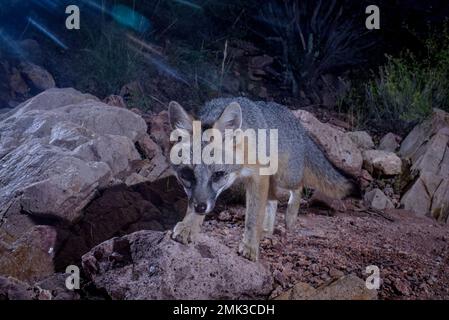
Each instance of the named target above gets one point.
<point>187,174</point>
<point>218,175</point>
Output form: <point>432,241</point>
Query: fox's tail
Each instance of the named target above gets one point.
<point>322,175</point>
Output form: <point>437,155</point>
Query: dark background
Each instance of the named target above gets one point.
<point>189,40</point>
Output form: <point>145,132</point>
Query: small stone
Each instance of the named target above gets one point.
<point>390,142</point>
<point>224,216</point>
<point>279,277</point>
<point>383,162</point>
<point>362,139</point>
<point>335,273</point>
<point>401,287</point>
<point>376,199</point>
<point>40,78</point>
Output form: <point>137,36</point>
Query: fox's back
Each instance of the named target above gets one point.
<point>258,115</point>
<point>268,115</point>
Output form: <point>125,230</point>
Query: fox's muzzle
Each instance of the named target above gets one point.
<point>200,208</point>
<point>203,208</point>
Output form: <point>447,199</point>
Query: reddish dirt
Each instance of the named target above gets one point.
<point>411,252</point>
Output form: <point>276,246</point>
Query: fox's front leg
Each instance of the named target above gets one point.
<point>186,230</point>
<point>256,201</point>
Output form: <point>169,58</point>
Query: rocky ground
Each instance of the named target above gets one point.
<point>410,251</point>
<point>87,182</point>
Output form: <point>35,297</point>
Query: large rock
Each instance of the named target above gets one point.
<point>426,149</point>
<point>54,159</point>
<point>57,151</point>
<point>440,202</point>
<point>51,99</point>
<point>348,287</point>
<point>339,147</point>
<point>382,162</point>
<point>149,265</point>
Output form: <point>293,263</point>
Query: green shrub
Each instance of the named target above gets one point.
<point>315,38</point>
<point>404,93</point>
<point>107,62</point>
<point>405,90</point>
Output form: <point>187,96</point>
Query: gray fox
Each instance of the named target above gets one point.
<point>301,163</point>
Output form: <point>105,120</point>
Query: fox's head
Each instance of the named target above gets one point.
<point>202,182</point>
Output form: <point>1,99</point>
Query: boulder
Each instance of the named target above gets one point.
<point>382,162</point>
<point>54,159</point>
<point>415,142</point>
<point>439,209</point>
<point>339,147</point>
<point>418,198</point>
<point>349,287</point>
<point>50,100</point>
<point>362,139</point>
<point>58,150</point>
<point>376,199</point>
<point>390,142</point>
<point>149,265</point>
<point>426,150</point>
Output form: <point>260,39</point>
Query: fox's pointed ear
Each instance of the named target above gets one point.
<point>179,118</point>
<point>231,118</point>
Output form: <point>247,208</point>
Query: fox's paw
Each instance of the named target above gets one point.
<point>290,222</point>
<point>268,228</point>
<point>183,233</point>
<point>249,252</point>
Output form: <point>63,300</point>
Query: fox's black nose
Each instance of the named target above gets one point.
<point>200,207</point>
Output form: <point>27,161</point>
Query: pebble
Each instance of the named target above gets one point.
<point>335,273</point>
